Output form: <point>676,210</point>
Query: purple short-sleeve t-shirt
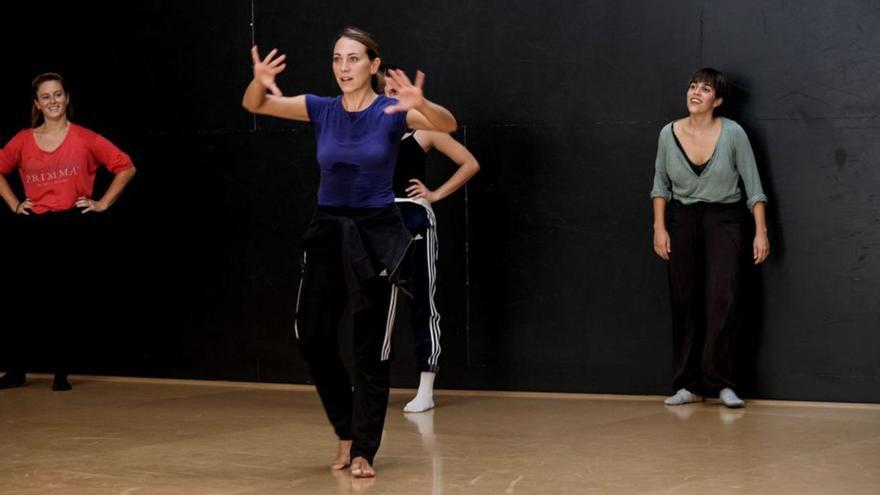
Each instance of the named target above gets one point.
<point>357,151</point>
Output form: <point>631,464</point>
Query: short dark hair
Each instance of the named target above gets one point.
<point>714,78</point>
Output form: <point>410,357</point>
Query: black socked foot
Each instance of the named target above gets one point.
<point>12,380</point>
<point>60,384</point>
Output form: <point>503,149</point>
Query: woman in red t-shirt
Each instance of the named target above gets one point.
<point>57,162</point>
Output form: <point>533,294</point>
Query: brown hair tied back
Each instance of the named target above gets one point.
<point>37,118</point>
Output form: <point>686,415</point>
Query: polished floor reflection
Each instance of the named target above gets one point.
<point>119,436</point>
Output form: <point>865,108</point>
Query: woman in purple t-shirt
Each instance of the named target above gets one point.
<point>356,241</point>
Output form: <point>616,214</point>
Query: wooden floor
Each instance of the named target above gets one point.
<point>127,436</point>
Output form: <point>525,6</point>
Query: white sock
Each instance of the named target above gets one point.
<point>683,396</point>
<point>424,398</point>
<point>730,399</point>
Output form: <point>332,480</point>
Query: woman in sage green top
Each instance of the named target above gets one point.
<point>699,222</point>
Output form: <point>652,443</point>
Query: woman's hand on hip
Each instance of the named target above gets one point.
<point>24,207</point>
<point>89,205</point>
<point>420,190</point>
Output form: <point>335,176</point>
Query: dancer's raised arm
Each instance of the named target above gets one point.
<point>420,112</point>
<point>274,103</point>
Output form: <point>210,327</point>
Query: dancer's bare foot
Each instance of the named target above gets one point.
<point>343,457</point>
<point>360,468</point>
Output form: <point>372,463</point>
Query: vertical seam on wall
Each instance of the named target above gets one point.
<point>253,42</point>
<point>702,11</point>
<point>467,267</point>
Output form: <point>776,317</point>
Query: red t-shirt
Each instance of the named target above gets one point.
<point>54,180</point>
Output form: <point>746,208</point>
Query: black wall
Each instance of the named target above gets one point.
<point>548,279</point>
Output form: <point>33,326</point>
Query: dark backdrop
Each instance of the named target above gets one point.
<point>548,279</point>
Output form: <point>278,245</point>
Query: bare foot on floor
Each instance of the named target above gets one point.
<point>360,468</point>
<point>343,458</point>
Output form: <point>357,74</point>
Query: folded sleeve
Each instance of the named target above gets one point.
<point>747,168</point>
<point>662,185</point>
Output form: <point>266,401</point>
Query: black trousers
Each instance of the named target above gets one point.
<point>424,317</point>
<point>52,260</point>
<point>356,412</point>
<point>705,269</point>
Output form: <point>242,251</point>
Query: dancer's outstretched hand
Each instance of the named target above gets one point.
<point>266,69</point>
<point>409,95</point>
